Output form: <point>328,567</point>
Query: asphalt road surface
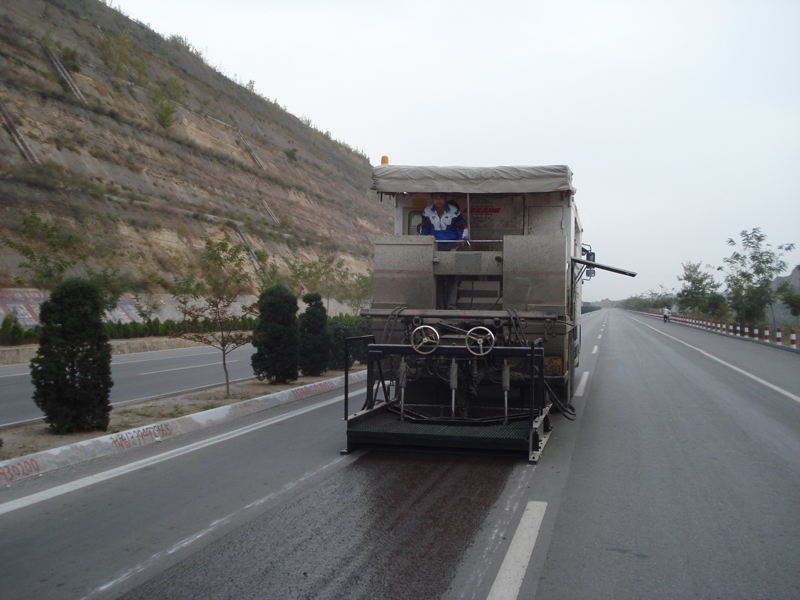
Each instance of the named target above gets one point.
<point>679,479</point>
<point>136,377</point>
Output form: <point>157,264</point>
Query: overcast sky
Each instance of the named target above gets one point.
<point>679,120</point>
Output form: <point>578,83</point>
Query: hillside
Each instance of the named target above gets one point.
<point>143,192</point>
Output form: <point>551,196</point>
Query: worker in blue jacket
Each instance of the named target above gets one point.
<point>443,221</point>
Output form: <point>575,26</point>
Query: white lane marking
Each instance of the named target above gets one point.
<point>594,350</point>
<point>771,386</point>
<point>211,527</point>
<point>15,375</point>
<point>216,364</point>
<point>509,580</point>
<point>599,336</point>
<point>582,384</point>
<point>153,460</point>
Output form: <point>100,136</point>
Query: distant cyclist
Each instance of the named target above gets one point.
<point>666,315</point>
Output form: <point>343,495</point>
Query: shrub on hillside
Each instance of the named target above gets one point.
<point>315,338</point>
<point>276,337</point>
<point>71,371</point>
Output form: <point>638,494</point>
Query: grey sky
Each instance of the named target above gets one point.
<point>680,120</point>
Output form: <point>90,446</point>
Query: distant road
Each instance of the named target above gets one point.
<point>136,377</point>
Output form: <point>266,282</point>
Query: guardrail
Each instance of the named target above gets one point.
<point>736,330</point>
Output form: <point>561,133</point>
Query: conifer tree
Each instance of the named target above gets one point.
<point>315,338</point>
<point>71,371</point>
<point>276,337</point>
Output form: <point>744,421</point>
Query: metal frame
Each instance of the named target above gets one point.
<point>374,426</point>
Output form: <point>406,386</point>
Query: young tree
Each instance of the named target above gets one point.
<point>315,338</point>
<point>71,371</point>
<point>358,291</point>
<point>276,337</point>
<point>698,288</point>
<point>323,276</point>
<point>790,298</point>
<point>110,284</point>
<point>267,273</point>
<point>751,269</point>
<point>146,306</point>
<point>207,298</point>
<point>48,250</point>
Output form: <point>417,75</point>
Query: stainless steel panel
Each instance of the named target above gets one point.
<point>535,272</point>
<point>404,272</point>
<point>467,262</point>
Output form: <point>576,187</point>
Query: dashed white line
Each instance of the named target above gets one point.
<point>582,384</point>
<point>509,580</point>
<point>594,350</point>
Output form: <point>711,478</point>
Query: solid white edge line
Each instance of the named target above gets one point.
<point>135,466</point>
<point>582,384</point>
<point>512,572</point>
<point>730,366</point>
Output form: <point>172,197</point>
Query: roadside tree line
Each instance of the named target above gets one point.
<point>748,295</point>
<point>71,371</point>
<point>50,254</point>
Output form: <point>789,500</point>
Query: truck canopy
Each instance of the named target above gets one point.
<point>472,180</point>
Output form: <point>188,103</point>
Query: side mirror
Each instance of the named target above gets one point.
<point>590,272</point>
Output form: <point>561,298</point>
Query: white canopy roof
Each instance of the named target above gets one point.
<point>472,180</point>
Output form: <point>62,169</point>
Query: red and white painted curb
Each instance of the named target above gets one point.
<point>731,329</point>
<point>15,469</point>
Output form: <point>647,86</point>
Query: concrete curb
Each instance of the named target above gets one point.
<point>16,469</point>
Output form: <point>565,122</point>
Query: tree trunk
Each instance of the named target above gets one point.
<point>227,381</point>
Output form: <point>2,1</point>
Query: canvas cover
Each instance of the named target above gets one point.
<point>472,180</point>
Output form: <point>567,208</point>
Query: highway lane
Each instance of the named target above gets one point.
<point>678,479</point>
<point>136,377</point>
<point>120,531</point>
